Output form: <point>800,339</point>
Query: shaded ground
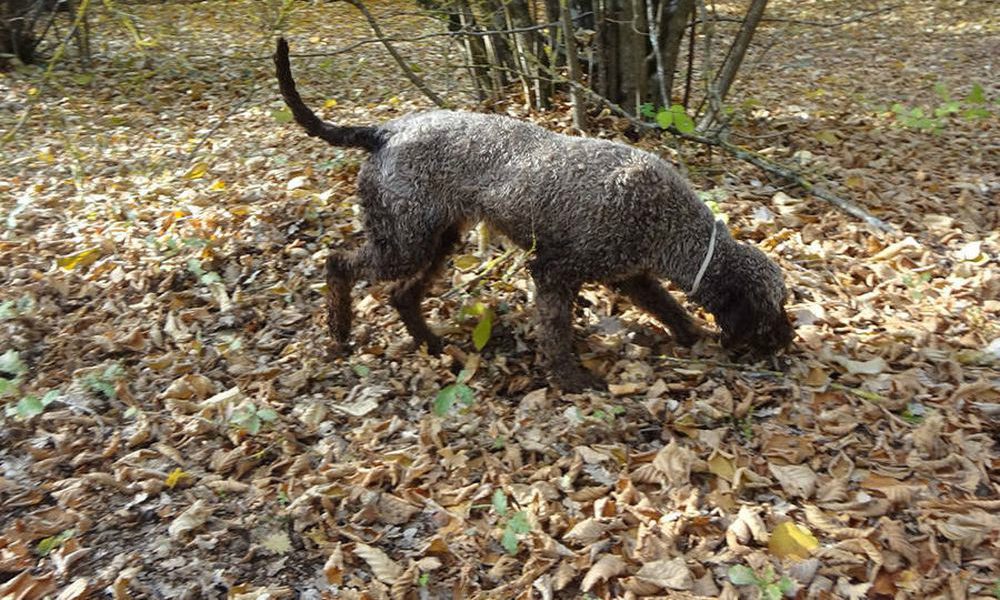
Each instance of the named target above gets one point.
<point>160,271</point>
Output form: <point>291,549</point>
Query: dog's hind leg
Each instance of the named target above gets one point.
<point>407,294</point>
<point>646,292</point>
<point>341,273</point>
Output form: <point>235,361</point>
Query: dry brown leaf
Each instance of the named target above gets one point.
<point>798,481</point>
<point>970,530</point>
<point>605,568</point>
<point>829,526</point>
<point>745,528</point>
<point>669,574</point>
<point>333,568</point>
<point>194,517</point>
<point>587,531</point>
<point>674,462</point>
<point>383,568</point>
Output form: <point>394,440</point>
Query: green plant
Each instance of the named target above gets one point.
<point>484,326</point>
<point>105,382</point>
<point>205,277</point>
<point>49,544</point>
<point>250,418</point>
<point>607,416</point>
<point>770,586</point>
<point>458,391</point>
<point>675,116</point>
<point>934,118</point>
<point>514,525</point>
<point>15,370</point>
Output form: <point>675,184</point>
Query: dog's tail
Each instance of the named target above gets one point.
<point>369,138</point>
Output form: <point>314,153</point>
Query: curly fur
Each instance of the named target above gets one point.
<point>592,210</point>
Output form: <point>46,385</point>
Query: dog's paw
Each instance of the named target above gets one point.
<point>689,336</point>
<point>574,381</point>
<point>338,349</point>
<point>434,345</point>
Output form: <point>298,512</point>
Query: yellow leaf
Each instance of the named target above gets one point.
<point>721,466</point>
<point>854,182</point>
<point>791,540</point>
<point>827,136</point>
<point>218,186</point>
<point>197,171</point>
<point>79,259</point>
<point>330,103</point>
<point>46,156</point>
<point>175,477</point>
<point>466,262</point>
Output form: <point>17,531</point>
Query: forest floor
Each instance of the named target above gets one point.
<point>173,426</point>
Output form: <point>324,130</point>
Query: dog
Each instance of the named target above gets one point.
<point>591,211</point>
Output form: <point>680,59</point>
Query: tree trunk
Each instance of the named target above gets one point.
<point>674,16</point>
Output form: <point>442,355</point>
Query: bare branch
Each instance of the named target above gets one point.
<point>405,68</point>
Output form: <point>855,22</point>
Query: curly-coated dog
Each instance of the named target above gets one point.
<point>591,210</point>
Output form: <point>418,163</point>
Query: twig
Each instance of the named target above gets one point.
<point>405,68</point>
<point>484,271</point>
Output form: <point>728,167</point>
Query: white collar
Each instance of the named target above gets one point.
<point>708,259</point>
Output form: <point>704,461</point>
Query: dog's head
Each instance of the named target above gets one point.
<point>747,294</point>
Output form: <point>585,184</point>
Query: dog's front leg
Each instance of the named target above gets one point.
<point>555,336</point>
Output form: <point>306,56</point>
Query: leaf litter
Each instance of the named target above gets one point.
<point>173,425</point>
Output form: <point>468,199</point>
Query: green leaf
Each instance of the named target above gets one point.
<point>361,370</point>
<point>771,592</point>
<point>519,522</point>
<point>484,328</point>
<point>975,113</point>
<point>665,119</point>
<point>742,575</point>
<point>683,122</point>
<point>83,78</point>
<point>786,585</point>
<point>282,115</point>
<point>647,110</point>
<point>509,541</point>
<point>49,544</point>
<point>500,502</point>
<point>29,406</point>
<point>976,96</point>
<point>464,394</point>
<point>10,363</point>
<point>50,396</point>
<point>445,399</point>
<point>7,310</point>
<point>942,91</point>
<point>267,415</point>
<point>424,579</point>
